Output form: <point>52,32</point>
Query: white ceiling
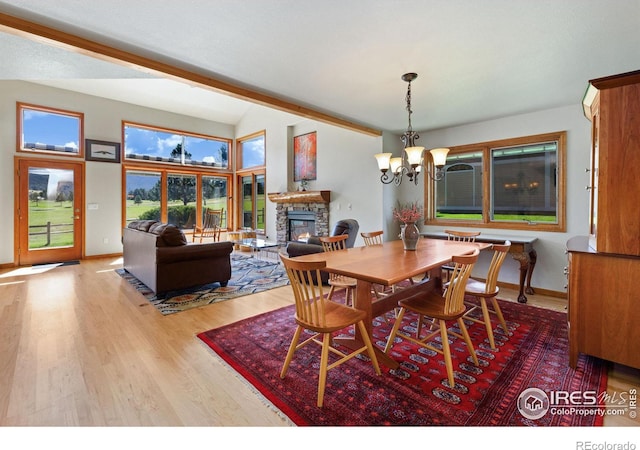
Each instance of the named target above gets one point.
<point>475,60</point>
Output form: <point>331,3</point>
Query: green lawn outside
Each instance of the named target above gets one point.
<point>499,217</point>
<point>60,214</point>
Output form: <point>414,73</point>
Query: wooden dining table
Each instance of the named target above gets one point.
<point>389,264</point>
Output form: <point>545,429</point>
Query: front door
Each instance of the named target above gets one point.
<point>49,211</point>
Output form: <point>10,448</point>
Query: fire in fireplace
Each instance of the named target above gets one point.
<point>302,225</point>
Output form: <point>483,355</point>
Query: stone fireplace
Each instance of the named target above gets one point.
<point>301,212</point>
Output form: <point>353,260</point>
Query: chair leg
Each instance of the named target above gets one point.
<point>292,350</point>
<point>324,363</point>
<point>446,351</point>
<point>467,340</point>
<point>487,322</point>
<point>367,342</point>
<point>498,311</point>
<point>394,331</point>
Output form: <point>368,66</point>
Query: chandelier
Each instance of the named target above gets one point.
<point>412,161</point>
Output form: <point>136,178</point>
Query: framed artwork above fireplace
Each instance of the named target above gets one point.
<point>304,157</point>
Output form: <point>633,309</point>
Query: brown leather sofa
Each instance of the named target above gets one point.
<point>158,255</point>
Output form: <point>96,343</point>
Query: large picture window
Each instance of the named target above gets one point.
<point>168,196</point>
<point>143,142</point>
<point>49,130</point>
<point>515,183</point>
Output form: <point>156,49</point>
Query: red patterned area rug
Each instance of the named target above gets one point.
<point>534,355</point>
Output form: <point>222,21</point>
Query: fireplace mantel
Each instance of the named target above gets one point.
<point>300,197</point>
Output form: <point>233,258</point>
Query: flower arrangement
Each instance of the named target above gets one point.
<point>408,212</point>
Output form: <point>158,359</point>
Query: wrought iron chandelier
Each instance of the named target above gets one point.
<point>412,161</point>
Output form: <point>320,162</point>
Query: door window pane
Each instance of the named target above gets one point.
<point>260,202</point>
<point>51,208</point>
<point>247,202</point>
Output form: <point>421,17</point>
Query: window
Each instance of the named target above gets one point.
<point>514,183</point>
<point>251,180</point>
<point>253,202</point>
<point>147,189</point>
<point>48,130</point>
<point>251,151</point>
<point>173,176</point>
<point>147,143</point>
<point>143,195</point>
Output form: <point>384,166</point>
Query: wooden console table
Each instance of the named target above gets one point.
<point>522,251</point>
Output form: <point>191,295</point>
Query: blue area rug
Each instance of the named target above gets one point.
<point>248,276</point>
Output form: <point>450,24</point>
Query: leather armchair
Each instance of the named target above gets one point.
<point>313,245</point>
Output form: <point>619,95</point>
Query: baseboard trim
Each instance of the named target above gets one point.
<point>538,290</point>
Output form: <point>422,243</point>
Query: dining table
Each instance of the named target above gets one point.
<point>388,264</point>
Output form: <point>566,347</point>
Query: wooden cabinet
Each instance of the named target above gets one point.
<point>604,316</point>
<point>604,267</point>
<point>612,104</point>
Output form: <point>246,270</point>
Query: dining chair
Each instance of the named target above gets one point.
<point>441,309</point>
<point>333,244</point>
<point>458,236</point>
<point>322,317</point>
<point>488,290</point>
<point>211,226</point>
<point>372,237</point>
<point>375,238</point>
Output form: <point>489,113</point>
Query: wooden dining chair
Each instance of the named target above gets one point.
<point>442,309</point>
<point>333,244</point>
<point>372,237</point>
<point>488,290</point>
<point>211,226</point>
<point>316,313</point>
<point>458,236</point>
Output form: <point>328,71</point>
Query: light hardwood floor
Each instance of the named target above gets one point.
<point>80,347</point>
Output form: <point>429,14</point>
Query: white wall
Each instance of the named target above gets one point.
<point>345,166</point>
<point>550,247</point>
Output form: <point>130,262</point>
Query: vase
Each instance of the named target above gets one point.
<point>410,235</point>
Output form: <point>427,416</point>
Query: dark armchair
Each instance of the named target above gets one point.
<point>313,245</point>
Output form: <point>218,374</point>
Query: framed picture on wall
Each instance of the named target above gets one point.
<point>102,151</point>
<point>304,157</point>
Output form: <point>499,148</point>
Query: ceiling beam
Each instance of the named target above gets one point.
<point>51,36</point>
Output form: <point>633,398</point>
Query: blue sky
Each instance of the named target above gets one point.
<point>143,141</point>
<point>41,127</point>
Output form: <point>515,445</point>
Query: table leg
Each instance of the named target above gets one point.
<point>533,258</point>
<point>363,302</point>
<point>523,259</point>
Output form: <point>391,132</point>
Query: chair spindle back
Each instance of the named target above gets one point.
<point>454,294</point>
